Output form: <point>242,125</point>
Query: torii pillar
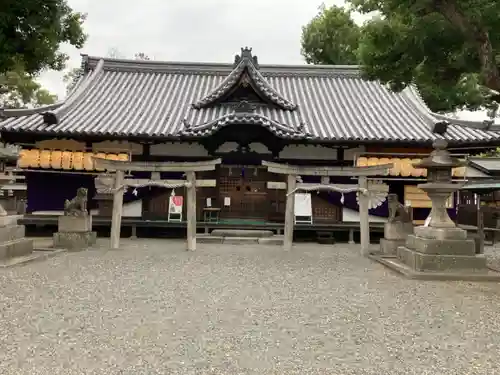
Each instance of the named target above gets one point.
<point>293,171</point>
<point>119,167</point>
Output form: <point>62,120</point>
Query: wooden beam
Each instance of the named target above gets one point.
<point>289,212</point>
<point>199,183</point>
<point>119,165</point>
<point>327,171</point>
<point>116,218</point>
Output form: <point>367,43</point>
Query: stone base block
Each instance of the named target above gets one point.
<point>11,233</point>
<point>465,275</point>
<point>209,239</point>
<point>389,247</point>
<point>74,241</point>
<point>397,230</point>
<point>440,262</point>
<point>274,240</point>
<point>32,257</point>
<point>9,220</point>
<point>441,233</point>
<point>240,240</point>
<point>443,247</point>
<point>241,233</point>
<point>16,248</point>
<point>74,224</point>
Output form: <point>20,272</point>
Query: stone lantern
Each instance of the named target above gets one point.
<point>439,186</point>
<point>7,154</point>
<point>439,249</point>
<point>14,247</point>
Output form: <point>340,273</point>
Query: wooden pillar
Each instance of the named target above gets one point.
<point>116,220</point>
<point>289,212</point>
<point>364,219</point>
<point>480,226</point>
<point>191,211</point>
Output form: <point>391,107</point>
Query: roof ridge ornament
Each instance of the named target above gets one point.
<point>247,64</point>
<point>246,54</point>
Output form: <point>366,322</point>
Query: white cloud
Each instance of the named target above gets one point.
<point>192,30</point>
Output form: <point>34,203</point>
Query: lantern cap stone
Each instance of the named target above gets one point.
<point>440,158</point>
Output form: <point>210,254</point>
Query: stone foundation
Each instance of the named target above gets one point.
<point>14,247</point>
<point>74,223</point>
<point>395,235</point>
<point>390,247</point>
<point>74,241</point>
<point>75,233</point>
<point>440,254</point>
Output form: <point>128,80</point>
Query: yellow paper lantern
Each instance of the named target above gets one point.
<point>23,159</point>
<point>66,159</point>
<point>406,167</point>
<point>396,168</point>
<point>56,160</point>
<point>362,161</point>
<point>123,157</point>
<point>45,156</point>
<point>373,162</point>
<point>88,163</point>
<point>100,155</point>
<point>77,161</point>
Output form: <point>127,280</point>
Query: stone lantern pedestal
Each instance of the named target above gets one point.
<point>439,249</point>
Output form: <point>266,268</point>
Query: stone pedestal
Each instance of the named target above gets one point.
<point>442,250</point>
<point>12,241</point>
<point>439,254</point>
<point>74,233</point>
<point>395,235</point>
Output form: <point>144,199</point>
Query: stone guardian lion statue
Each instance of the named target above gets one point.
<point>397,212</point>
<point>78,205</point>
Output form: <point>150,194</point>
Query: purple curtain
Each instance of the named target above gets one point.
<point>48,191</point>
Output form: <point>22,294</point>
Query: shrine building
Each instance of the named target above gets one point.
<point>244,113</point>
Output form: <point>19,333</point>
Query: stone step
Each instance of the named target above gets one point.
<point>274,240</point>
<point>11,233</point>
<point>16,248</point>
<point>242,233</point>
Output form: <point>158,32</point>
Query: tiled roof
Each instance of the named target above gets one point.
<point>165,99</point>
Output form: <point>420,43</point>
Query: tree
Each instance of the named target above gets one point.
<point>332,37</point>
<point>31,32</point>
<point>20,90</point>
<point>449,48</point>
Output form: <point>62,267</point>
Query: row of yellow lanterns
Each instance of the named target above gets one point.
<point>402,167</point>
<point>55,159</point>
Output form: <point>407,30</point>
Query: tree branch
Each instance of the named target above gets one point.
<point>478,35</point>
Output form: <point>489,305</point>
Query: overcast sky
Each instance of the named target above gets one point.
<point>192,30</point>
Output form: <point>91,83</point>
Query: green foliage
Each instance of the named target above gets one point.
<point>331,37</point>
<point>31,32</point>
<point>441,46</point>
<point>20,90</point>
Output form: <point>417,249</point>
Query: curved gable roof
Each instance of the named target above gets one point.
<point>154,99</point>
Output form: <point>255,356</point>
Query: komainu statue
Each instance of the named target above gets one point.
<point>397,212</point>
<point>78,205</point>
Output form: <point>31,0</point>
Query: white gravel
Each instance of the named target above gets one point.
<point>153,308</point>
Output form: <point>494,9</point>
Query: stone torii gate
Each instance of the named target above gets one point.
<point>293,171</point>
<point>119,183</point>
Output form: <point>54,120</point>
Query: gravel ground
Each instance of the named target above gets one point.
<point>153,308</point>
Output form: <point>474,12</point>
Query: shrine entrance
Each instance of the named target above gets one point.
<point>242,191</point>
